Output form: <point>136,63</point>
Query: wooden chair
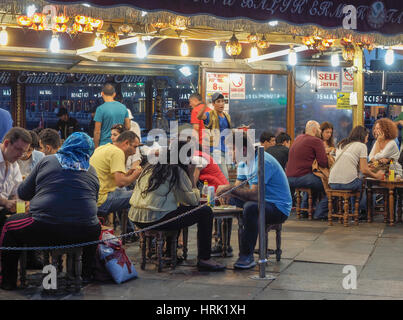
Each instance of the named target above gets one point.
<point>298,204</point>
<point>146,239</point>
<point>277,228</point>
<point>343,196</point>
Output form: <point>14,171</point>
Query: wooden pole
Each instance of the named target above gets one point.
<point>358,111</point>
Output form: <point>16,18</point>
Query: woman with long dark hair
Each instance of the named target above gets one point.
<point>352,154</point>
<point>164,191</point>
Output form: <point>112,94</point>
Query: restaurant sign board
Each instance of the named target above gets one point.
<point>328,80</point>
<point>343,100</point>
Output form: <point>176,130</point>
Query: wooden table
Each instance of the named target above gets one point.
<point>225,212</point>
<point>391,186</point>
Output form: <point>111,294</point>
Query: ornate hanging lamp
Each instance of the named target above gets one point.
<point>233,47</point>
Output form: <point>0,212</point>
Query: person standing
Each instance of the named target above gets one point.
<point>196,103</point>
<point>6,122</point>
<point>111,112</point>
<point>66,124</point>
<point>218,122</point>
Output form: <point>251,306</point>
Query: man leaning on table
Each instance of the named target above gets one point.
<point>278,200</point>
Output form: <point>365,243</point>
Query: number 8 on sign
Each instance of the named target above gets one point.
<point>214,86</point>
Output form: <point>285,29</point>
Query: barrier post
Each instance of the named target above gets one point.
<point>262,215</point>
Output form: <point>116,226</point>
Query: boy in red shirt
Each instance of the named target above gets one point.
<point>195,101</point>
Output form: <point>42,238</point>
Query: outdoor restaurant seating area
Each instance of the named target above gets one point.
<point>213,150</point>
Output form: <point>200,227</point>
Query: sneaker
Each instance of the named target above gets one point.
<point>245,262</point>
<point>216,251</point>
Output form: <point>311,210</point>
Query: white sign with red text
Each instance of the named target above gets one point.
<point>218,82</point>
<point>328,80</point>
<point>347,81</point>
<point>237,86</point>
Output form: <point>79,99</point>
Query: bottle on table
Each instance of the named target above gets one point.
<point>392,171</point>
<point>211,197</point>
<point>204,191</point>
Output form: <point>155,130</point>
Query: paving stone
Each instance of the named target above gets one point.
<point>270,294</point>
<point>393,232</point>
<point>198,291</point>
<point>317,271</point>
<point>381,288</point>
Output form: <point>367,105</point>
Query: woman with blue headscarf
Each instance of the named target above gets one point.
<point>62,190</point>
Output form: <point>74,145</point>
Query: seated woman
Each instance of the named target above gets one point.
<point>385,147</point>
<point>165,191</point>
<point>351,159</point>
<point>327,137</point>
<point>62,190</point>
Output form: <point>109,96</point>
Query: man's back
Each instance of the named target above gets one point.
<point>6,122</point>
<point>107,160</point>
<point>109,114</point>
<point>303,152</point>
<point>280,153</point>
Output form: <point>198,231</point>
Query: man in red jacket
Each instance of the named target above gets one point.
<point>305,149</point>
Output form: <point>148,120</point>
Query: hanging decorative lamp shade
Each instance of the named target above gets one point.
<point>233,47</point>
<point>179,23</point>
<point>263,43</point>
<point>253,38</point>
<point>126,29</point>
<point>24,21</point>
<point>110,38</point>
<point>61,23</point>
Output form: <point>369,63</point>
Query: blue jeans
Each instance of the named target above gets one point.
<point>250,224</point>
<point>115,202</point>
<point>355,185</point>
<point>314,182</point>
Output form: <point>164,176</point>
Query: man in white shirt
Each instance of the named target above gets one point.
<point>15,143</point>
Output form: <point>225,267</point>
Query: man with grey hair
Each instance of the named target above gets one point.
<point>305,149</point>
<point>107,115</point>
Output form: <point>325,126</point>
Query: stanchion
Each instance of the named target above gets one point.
<point>262,220</point>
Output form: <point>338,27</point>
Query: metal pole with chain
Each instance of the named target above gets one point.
<point>262,215</point>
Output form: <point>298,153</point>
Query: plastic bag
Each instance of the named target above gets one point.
<point>115,260</point>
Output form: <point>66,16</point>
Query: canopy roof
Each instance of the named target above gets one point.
<point>381,20</point>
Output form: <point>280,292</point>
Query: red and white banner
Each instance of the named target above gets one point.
<point>237,86</point>
<point>328,80</point>
<point>347,81</point>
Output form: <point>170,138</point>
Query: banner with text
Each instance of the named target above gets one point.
<point>328,80</point>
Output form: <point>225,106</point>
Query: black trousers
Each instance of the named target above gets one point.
<point>22,229</point>
<point>204,219</point>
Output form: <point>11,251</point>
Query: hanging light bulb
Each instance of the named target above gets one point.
<point>254,52</point>
<point>141,50</point>
<point>335,59</point>
<point>3,36</point>
<point>389,57</point>
<point>54,46</point>
<point>98,43</point>
<point>184,48</point>
<point>218,53</point>
<point>292,57</point>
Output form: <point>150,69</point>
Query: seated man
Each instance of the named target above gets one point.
<point>109,161</point>
<point>30,158</point>
<point>267,140</point>
<point>281,149</point>
<point>49,141</point>
<point>15,143</point>
<point>305,149</point>
<point>278,200</point>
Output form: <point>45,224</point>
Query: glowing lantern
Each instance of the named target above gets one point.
<point>179,23</point>
<point>38,21</point>
<point>95,24</point>
<point>253,38</point>
<point>82,20</point>
<point>61,23</point>
<point>110,38</point>
<point>263,43</point>
<point>233,47</point>
<point>24,21</point>
<point>77,28</point>
<point>125,29</point>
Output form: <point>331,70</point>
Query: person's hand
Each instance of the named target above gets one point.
<point>380,175</point>
<point>11,205</point>
<point>26,206</point>
<point>384,160</point>
<point>222,189</point>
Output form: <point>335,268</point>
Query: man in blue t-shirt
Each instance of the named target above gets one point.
<point>107,115</point>
<point>6,123</point>
<point>278,199</point>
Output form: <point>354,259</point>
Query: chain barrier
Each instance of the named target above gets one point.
<point>84,244</point>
